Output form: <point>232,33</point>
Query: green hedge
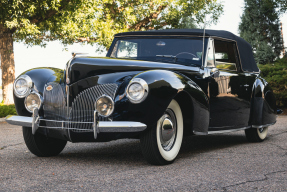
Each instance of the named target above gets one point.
<point>7,110</point>
<point>276,76</point>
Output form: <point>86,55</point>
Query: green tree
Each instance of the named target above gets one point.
<point>260,26</point>
<point>187,23</point>
<point>93,21</point>
<point>282,5</point>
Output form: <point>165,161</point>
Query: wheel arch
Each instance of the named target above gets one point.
<point>263,104</point>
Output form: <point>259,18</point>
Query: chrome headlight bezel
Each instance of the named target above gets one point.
<point>39,97</point>
<point>143,84</point>
<point>29,85</point>
<point>112,103</point>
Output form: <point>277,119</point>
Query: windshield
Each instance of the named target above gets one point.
<point>185,51</point>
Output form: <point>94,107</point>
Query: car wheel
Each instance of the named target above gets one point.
<point>161,144</point>
<point>256,134</point>
<point>42,146</point>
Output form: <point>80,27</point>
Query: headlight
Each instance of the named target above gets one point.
<point>32,101</point>
<point>22,86</point>
<point>104,105</point>
<point>137,90</point>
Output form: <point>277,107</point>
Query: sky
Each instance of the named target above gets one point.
<point>54,56</point>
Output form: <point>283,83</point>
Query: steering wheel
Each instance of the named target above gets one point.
<point>187,53</point>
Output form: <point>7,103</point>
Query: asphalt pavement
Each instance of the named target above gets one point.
<point>221,162</point>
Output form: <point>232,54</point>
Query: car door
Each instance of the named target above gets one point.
<point>228,88</point>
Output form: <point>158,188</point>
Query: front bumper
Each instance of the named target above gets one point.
<point>98,126</point>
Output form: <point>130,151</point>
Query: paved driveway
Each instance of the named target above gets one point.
<point>223,162</point>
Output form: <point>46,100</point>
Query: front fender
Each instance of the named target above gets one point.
<point>163,87</point>
<point>39,76</point>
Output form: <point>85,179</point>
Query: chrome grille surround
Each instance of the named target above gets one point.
<point>81,113</point>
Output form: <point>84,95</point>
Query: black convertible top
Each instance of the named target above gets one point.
<point>245,51</point>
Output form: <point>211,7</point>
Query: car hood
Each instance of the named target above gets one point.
<point>83,67</point>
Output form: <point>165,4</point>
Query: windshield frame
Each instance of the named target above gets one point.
<point>116,39</point>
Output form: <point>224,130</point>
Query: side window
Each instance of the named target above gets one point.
<point>210,54</point>
<point>126,49</point>
<point>225,55</point>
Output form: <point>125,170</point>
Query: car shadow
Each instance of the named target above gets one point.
<point>129,152</point>
<point>194,145</point>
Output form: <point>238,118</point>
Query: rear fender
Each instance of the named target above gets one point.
<point>263,104</point>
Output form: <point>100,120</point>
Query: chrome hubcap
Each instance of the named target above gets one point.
<point>168,130</point>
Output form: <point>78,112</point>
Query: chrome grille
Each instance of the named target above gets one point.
<point>83,106</point>
<point>54,104</point>
<point>82,109</point>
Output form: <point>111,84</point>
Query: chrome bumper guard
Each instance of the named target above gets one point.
<point>98,126</point>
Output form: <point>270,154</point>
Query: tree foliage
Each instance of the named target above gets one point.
<point>69,21</point>
<point>276,76</point>
<point>282,5</point>
<point>93,21</point>
<point>260,26</point>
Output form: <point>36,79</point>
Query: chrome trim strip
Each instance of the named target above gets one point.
<point>42,126</point>
<point>228,131</point>
<point>121,126</point>
<point>158,35</point>
<point>103,126</point>
<point>58,121</point>
<point>199,133</point>
<point>262,126</point>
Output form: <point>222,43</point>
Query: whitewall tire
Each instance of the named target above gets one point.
<point>161,144</point>
<point>256,134</point>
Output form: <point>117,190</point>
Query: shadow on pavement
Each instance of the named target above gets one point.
<point>129,152</point>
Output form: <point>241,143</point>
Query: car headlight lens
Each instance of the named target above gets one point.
<point>22,86</point>
<point>105,106</point>
<point>33,101</point>
<point>137,90</point>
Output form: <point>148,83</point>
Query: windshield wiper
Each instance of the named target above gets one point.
<point>168,56</point>
<point>176,60</point>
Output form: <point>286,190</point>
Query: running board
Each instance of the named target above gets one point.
<point>228,131</point>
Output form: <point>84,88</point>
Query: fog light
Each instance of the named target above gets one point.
<point>33,101</point>
<point>104,105</point>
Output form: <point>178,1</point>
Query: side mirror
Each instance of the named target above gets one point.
<point>214,72</point>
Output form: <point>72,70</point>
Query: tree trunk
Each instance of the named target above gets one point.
<point>7,64</point>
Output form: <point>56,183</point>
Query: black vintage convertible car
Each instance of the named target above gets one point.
<point>157,86</point>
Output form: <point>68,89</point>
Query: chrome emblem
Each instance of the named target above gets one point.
<point>49,88</point>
